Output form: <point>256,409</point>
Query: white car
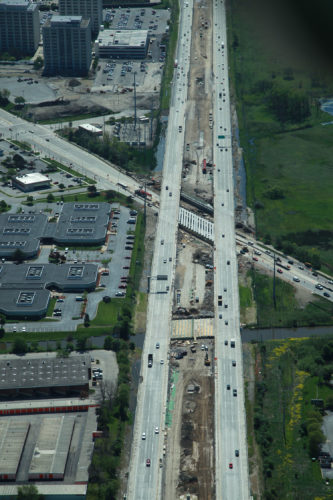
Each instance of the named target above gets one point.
<point>296,279</point>
<point>162,361</point>
<point>157,430</point>
<point>24,329</point>
<point>143,436</point>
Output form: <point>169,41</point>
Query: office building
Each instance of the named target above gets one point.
<point>88,9</point>
<point>67,46</point>
<point>122,44</point>
<point>19,27</point>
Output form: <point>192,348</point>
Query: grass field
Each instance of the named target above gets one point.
<point>292,157</point>
<point>284,389</point>
<point>288,312</point>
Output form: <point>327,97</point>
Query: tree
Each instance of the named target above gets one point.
<point>92,190</point>
<point>329,402</point>
<point>315,439</point>
<point>19,101</point>
<point>30,200</point>
<point>20,346</point>
<point>50,198</point>
<point>38,63</point>
<point>19,161</point>
<point>61,186</point>
<point>28,492</point>
<point>82,344</point>
<point>4,97</point>
<point>18,255</point>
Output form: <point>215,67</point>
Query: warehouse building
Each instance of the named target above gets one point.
<point>24,289</point>
<point>79,224</point>
<point>122,44</point>
<point>32,378</point>
<point>19,27</point>
<point>13,436</point>
<point>67,46</point>
<point>21,231</point>
<point>51,451</point>
<point>31,182</point>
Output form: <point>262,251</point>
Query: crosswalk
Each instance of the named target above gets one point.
<point>192,328</point>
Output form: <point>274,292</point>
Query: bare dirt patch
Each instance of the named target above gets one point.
<point>193,281</point>
<point>190,465</point>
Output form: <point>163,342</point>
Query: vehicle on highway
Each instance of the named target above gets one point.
<point>162,361</point>
<point>233,363</point>
<point>14,328</point>
<point>237,453</point>
<point>157,345</point>
<point>228,387</point>
<point>148,462</point>
<point>225,342</point>
<point>230,466</point>
<point>234,392</point>
<point>157,430</point>
<point>143,436</point>
<point>24,329</point>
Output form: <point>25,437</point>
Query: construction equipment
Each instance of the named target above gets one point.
<point>207,360</point>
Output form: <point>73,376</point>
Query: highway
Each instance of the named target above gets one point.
<point>231,460</point>
<point>145,481</point>
<point>47,142</point>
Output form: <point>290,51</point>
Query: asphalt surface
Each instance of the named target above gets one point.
<point>232,478</point>
<point>145,481</point>
<point>45,141</point>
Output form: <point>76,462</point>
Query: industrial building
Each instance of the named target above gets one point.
<point>122,44</point>
<point>91,129</point>
<point>19,27</point>
<point>36,377</point>
<point>31,182</point>
<point>88,9</point>
<point>24,289</point>
<point>78,224</point>
<point>67,46</point>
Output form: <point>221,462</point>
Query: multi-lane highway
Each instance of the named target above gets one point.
<point>231,465</point>
<point>51,145</point>
<point>145,478</point>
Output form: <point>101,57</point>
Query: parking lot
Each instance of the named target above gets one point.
<point>32,163</point>
<point>113,260</point>
<point>155,21</point>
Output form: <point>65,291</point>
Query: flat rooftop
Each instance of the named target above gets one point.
<point>21,372</point>
<point>122,38</point>
<point>52,447</point>
<point>28,179</point>
<point>12,439</point>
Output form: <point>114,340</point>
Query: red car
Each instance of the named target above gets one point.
<point>148,462</point>
<point>255,258</point>
<point>230,466</point>
<point>122,285</point>
<point>280,271</point>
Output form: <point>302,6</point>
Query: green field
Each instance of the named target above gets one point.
<point>288,160</point>
<point>288,312</point>
<point>290,374</point>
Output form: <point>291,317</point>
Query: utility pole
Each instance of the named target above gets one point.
<point>134,101</point>
<point>145,205</point>
<point>274,297</point>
